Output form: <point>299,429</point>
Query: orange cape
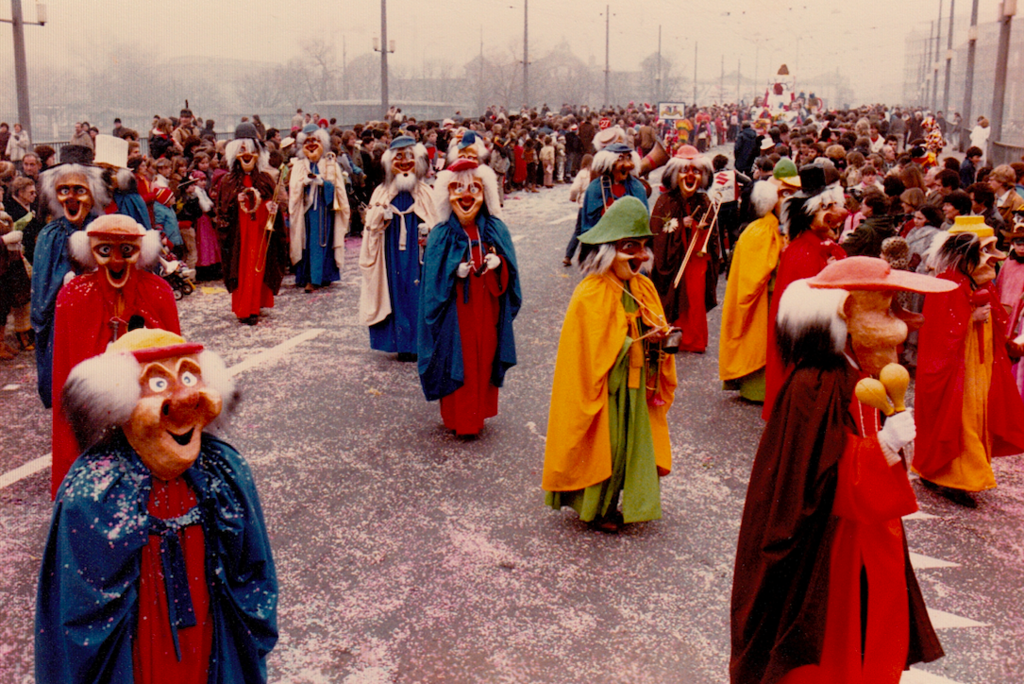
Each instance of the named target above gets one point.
<point>578,453</point>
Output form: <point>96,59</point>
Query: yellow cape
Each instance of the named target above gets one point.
<point>743,343</point>
<point>578,452</point>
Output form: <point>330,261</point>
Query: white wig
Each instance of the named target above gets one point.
<point>483,153</point>
<point>598,259</point>
<point>49,179</point>
<point>670,177</point>
<point>320,134</point>
<point>81,251</point>
<point>605,160</point>
<point>492,198</point>
<point>763,197</point>
<point>419,153</point>
<point>100,394</point>
<point>809,328</point>
<point>235,147</point>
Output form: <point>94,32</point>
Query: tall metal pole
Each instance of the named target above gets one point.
<point>657,89</point>
<point>607,36</point>
<point>721,82</point>
<point>757,60</point>
<point>384,105</point>
<point>949,62</point>
<point>972,44</point>
<point>526,53</point>
<point>1006,12</point>
<point>928,64</point>
<point>21,68</point>
<point>935,77</point>
<point>694,72</point>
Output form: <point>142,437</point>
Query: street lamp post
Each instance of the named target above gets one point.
<point>384,48</point>
<point>17,23</point>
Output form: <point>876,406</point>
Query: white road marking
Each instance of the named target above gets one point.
<point>264,357</point>
<point>532,427</point>
<point>915,676</point>
<point>517,238</point>
<point>11,388</point>
<point>919,515</point>
<point>943,620</point>
<point>567,219</point>
<point>921,562</point>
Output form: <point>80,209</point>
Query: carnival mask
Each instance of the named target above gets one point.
<point>630,256</point>
<point>247,156</point>
<point>986,270</point>
<point>75,195</point>
<point>828,220</point>
<point>874,329</point>
<point>623,167</point>
<point>175,405</point>
<point>115,257</point>
<point>313,149</point>
<point>466,199</point>
<point>689,180</point>
<point>404,162</point>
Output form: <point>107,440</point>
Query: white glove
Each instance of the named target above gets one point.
<point>12,238</point>
<point>492,261</point>
<point>899,431</point>
<point>464,268</point>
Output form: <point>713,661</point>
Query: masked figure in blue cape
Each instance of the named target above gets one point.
<point>468,298</point>
<point>112,157</point>
<point>76,195</point>
<point>400,214</point>
<point>157,566</point>
<point>614,172</point>
<point>318,210</point>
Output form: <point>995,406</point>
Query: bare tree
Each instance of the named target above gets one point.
<point>670,84</point>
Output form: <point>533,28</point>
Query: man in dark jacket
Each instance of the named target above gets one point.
<point>745,148</point>
<point>969,166</point>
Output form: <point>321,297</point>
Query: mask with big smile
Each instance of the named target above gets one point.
<point>175,405</point>
<point>623,167</point>
<point>403,163</point>
<point>466,199</point>
<point>313,149</point>
<point>116,258</point>
<point>75,196</point>
<point>986,270</point>
<point>689,180</point>
<point>630,256</point>
<point>247,156</point>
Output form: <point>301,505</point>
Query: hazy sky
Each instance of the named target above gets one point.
<point>865,39</point>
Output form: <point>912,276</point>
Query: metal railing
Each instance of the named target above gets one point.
<point>1002,153</point>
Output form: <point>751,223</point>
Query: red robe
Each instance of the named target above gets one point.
<point>153,655</point>
<point>940,380</point>
<point>252,292</point>
<point>803,258</point>
<point>465,409</point>
<point>82,329</point>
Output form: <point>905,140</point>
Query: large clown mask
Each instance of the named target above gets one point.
<point>830,214</point>
<point>985,272</point>
<point>874,329</point>
<point>689,179</point>
<point>174,406</point>
<point>75,196</point>
<point>248,155</point>
<point>466,195</point>
<point>622,168</point>
<point>404,163</point>
<point>116,243</point>
<point>630,256</point>
<point>313,149</point>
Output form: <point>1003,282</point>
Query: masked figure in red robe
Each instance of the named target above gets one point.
<point>681,222</point>
<point>968,407</point>
<point>254,245</point>
<point>97,308</point>
<point>824,591</point>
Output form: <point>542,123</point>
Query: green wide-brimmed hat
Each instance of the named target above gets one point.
<point>626,218</point>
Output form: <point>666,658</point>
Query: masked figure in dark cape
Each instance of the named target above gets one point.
<point>468,298</point>
<point>823,590</point>
<point>255,259</point>
<point>76,194</point>
<point>681,221</point>
<point>157,566</point>
<point>614,172</point>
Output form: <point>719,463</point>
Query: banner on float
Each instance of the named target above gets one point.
<point>671,111</point>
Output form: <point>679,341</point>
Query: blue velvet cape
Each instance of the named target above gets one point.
<point>439,344</point>
<point>87,604</point>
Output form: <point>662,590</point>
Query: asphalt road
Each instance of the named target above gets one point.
<point>405,555</point>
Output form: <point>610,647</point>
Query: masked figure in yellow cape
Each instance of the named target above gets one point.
<point>614,381</point>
